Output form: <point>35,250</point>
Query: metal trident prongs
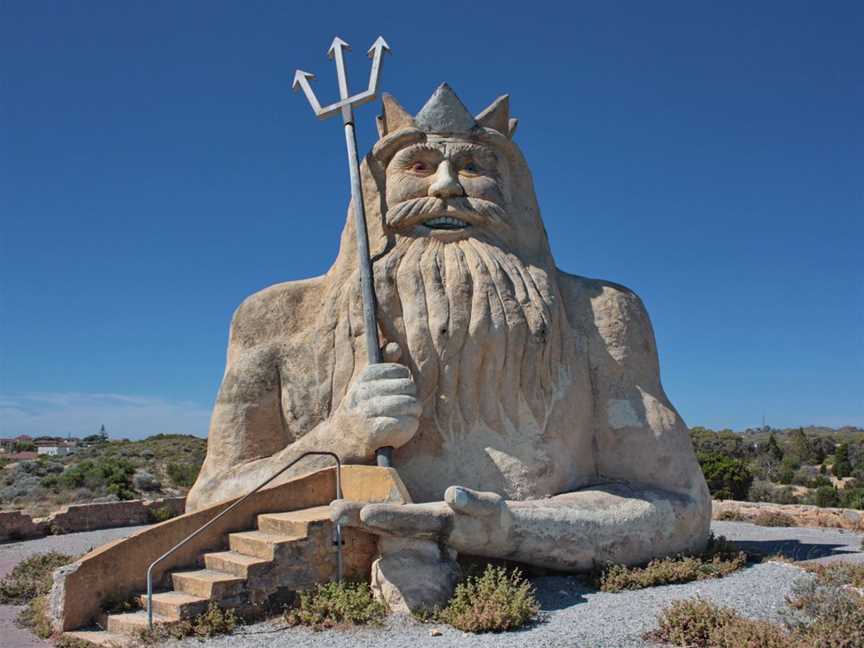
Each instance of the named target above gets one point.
<point>346,105</point>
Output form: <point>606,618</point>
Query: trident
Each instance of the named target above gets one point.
<point>345,105</point>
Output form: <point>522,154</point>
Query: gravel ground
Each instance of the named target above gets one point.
<point>11,553</point>
<point>573,616</point>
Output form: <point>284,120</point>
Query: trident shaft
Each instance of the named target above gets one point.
<point>345,106</point>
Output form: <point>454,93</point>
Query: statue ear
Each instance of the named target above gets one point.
<point>394,117</point>
<point>496,116</point>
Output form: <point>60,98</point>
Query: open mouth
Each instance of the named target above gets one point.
<point>445,223</point>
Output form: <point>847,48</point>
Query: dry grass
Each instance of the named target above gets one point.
<point>495,601</point>
<point>824,613</point>
<point>31,577</point>
<point>773,519</point>
<point>721,558</point>
<point>336,604</point>
<point>215,621</point>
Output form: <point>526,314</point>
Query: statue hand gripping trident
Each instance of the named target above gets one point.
<point>345,106</point>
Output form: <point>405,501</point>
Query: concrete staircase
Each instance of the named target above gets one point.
<point>287,552</point>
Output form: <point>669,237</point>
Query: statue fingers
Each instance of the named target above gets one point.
<point>384,387</point>
<point>472,502</point>
<point>383,370</point>
<point>394,431</point>
<point>392,405</point>
<point>428,521</point>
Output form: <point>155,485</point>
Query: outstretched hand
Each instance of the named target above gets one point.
<point>467,520</point>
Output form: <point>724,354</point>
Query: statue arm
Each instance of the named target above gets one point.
<point>649,497</point>
<point>250,440</point>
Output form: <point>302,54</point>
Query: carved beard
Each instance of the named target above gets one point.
<point>480,329</point>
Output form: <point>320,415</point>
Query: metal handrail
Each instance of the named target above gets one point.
<point>338,534</point>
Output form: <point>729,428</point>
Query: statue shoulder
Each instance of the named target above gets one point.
<point>614,312</point>
<point>275,312</point>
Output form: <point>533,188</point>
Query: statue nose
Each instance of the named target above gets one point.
<point>446,184</point>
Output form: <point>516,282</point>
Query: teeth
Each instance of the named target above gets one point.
<point>445,221</point>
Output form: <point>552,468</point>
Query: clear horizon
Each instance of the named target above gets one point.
<point>156,169</point>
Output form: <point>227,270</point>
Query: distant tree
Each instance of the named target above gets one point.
<point>842,466</point>
<point>103,434</point>
<point>787,470</point>
<point>727,478</point>
<point>826,496</point>
<point>24,446</point>
<point>800,447</point>
<point>773,449</point>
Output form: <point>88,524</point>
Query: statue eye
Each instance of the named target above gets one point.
<point>471,168</point>
<point>418,166</point>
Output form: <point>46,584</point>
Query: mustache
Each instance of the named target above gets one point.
<point>474,211</point>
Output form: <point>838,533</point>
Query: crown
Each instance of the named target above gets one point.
<point>444,112</point>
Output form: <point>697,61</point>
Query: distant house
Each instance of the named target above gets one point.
<point>54,450</point>
<point>55,446</point>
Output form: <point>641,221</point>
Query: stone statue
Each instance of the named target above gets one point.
<point>524,403</point>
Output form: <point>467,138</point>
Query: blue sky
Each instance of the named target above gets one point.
<point>155,169</point>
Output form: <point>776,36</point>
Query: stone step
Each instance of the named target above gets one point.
<point>258,543</point>
<point>294,522</point>
<point>174,606</point>
<point>132,623</point>
<point>101,638</point>
<point>233,562</point>
<point>208,583</point>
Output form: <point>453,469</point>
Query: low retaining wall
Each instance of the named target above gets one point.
<point>15,525</point>
<point>802,515</point>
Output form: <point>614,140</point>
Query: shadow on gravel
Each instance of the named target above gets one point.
<point>559,592</point>
<point>793,549</point>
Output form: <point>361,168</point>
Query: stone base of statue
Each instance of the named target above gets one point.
<point>414,575</point>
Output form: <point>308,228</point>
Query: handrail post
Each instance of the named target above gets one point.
<point>238,503</point>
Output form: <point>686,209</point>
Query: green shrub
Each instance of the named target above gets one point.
<point>727,478</point>
<point>334,604</point>
<point>160,514</point>
<point>183,474</point>
<point>31,578</point>
<point>826,496</point>
<point>495,601</point>
<point>35,618</point>
<point>214,621</point>
<point>720,558</point>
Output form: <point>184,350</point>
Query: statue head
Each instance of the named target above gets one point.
<point>464,279</point>
<point>450,176</point>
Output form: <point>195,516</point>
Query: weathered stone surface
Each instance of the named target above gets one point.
<point>414,575</point>
<point>15,525</point>
<point>535,391</point>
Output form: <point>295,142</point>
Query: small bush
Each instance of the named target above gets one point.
<point>774,519</point>
<point>838,574</point>
<point>34,617</point>
<point>720,558</point>
<point>31,578</point>
<point>825,614</point>
<point>160,514</point>
<point>335,604</point>
<point>492,602</point>
<point>730,516</point>
<point>214,621</point>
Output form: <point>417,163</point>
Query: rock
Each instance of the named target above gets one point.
<point>414,575</point>
<point>144,481</point>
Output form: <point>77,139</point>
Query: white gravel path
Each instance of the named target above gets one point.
<point>573,616</point>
